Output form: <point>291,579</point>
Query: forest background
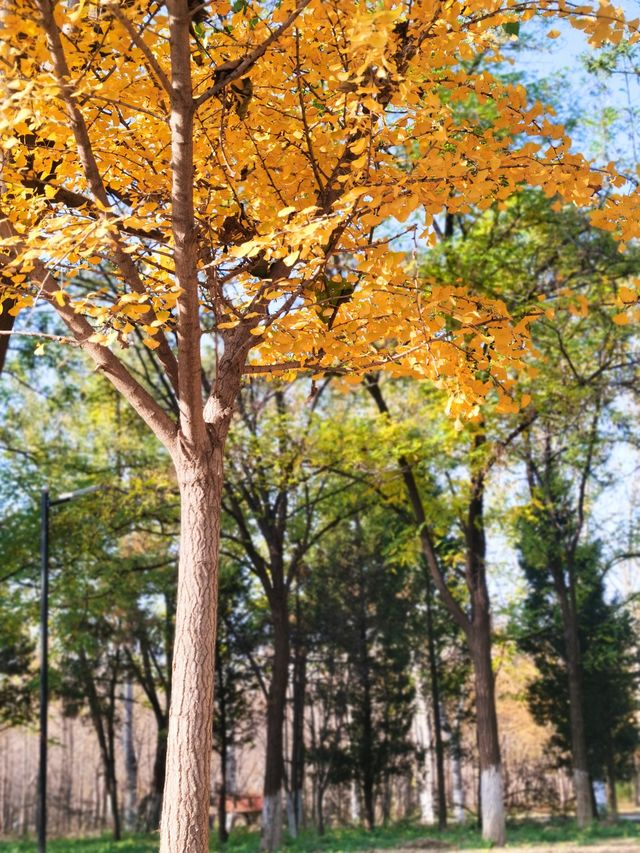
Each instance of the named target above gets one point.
<point>347,676</point>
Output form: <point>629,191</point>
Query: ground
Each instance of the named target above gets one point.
<point>526,836</point>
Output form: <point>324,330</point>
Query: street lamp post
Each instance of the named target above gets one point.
<point>45,505</point>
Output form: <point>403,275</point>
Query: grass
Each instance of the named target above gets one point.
<point>346,840</point>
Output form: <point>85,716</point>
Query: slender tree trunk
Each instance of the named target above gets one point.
<point>130,760</point>
<point>320,808</point>
<point>185,809</point>
<point>297,738</point>
<point>477,628</point>
<point>112,792</point>
<point>271,835</point>
<point>491,793</point>
<point>111,767</point>
<point>366,711</point>
<point>491,784</point>
<point>457,787</point>
<point>153,802</point>
<point>103,719</point>
<point>355,803</point>
<point>223,834</point>
<point>579,757</point>
<point>434,676</point>
<point>424,742</point>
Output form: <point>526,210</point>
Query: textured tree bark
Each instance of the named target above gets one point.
<point>271,828</point>
<point>185,810</point>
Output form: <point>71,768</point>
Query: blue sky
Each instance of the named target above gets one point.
<point>574,90</point>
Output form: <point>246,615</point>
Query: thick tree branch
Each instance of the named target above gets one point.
<point>109,364</point>
<point>184,228</point>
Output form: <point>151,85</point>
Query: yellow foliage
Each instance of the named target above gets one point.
<point>352,134</point>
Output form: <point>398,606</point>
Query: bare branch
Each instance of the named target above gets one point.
<point>92,173</point>
<point>140,43</point>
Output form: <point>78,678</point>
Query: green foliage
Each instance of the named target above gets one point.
<point>365,694</point>
<point>609,660</point>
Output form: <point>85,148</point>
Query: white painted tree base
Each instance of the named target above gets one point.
<point>271,828</point>
<point>457,791</point>
<point>492,795</point>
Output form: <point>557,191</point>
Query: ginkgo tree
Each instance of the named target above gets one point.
<point>251,176</point>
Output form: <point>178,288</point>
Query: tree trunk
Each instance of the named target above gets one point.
<point>271,830</point>
<point>491,786</point>
<point>611,779</point>
<point>366,712</point>
<point>386,799</point>
<point>434,677</point>
<point>112,791</point>
<point>130,761</point>
<point>185,809</point>
<point>297,738</point>
<point>111,767</point>
<point>579,759</point>
<point>153,802</point>
<point>223,834</point>
<point>320,809</point>
<point>103,718</point>
<point>457,787</point>
<point>354,799</point>
<point>424,741</point>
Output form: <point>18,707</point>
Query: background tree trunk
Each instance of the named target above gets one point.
<point>424,741</point>
<point>223,834</point>
<point>580,765</point>
<point>434,678</point>
<point>491,784</point>
<point>457,787</point>
<point>271,834</point>
<point>130,761</point>
<point>297,733</point>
